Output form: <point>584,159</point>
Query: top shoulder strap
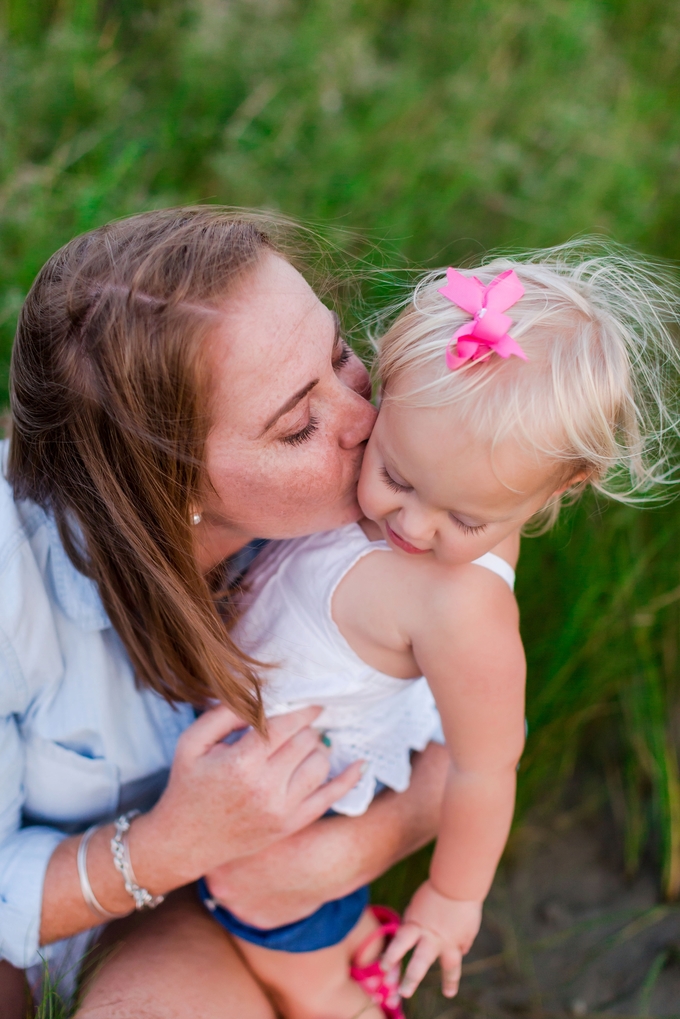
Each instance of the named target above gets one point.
<point>496,564</point>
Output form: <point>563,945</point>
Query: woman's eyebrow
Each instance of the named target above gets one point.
<point>301,393</point>
<point>288,405</point>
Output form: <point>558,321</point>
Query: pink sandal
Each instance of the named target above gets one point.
<point>381,987</point>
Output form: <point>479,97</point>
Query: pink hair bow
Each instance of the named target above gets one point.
<point>488,332</point>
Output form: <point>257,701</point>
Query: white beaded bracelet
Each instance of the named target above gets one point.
<point>85,886</point>
<point>121,858</point>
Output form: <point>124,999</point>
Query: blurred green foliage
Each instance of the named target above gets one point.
<point>438,130</point>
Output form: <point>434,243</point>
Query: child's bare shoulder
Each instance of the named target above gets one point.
<point>468,595</point>
<point>415,590</point>
<point>423,612</point>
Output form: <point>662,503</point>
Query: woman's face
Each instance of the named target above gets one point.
<point>290,416</point>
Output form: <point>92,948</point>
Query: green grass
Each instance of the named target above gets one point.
<point>438,130</point>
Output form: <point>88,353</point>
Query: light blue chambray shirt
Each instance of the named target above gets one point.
<point>78,741</point>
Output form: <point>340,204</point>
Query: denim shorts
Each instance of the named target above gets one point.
<point>327,926</point>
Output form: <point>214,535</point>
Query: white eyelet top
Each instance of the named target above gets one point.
<point>287,623</point>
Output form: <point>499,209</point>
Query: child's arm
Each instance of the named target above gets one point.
<point>467,644</point>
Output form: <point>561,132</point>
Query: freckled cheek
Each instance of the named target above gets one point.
<point>305,485</point>
<point>281,492</point>
<point>316,480</point>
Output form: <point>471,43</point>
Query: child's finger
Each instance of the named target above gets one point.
<point>425,953</point>
<point>402,942</point>
<point>452,964</point>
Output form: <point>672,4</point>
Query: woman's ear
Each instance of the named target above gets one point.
<point>576,479</point>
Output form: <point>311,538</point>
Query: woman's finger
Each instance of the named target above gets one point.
<point>210,728</point>
<point>319,802</point>
<point>451,964</point>
<point>294,751</point>
<point>402,942</point>
<point>282,727</point>
<point>426,951</point>
<point>310,774</point>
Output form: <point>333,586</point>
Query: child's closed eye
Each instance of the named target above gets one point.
<point>467,528</point>
<point>391,483</point>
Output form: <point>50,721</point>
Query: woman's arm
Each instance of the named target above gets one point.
<point>222,802</point>
<point>335,855</point>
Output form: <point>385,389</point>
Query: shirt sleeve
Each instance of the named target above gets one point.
<point>24,852</point>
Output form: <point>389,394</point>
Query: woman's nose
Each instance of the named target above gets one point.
<point>358,418</point>
<point>359,379</point>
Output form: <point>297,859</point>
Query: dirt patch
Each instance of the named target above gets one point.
<point>565,934</point>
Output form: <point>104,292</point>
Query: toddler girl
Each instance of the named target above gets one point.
<point>503,389</point>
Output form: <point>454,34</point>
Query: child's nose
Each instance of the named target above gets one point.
<point>416,524</point>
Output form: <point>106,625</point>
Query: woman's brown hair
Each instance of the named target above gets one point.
<point>109,420</point>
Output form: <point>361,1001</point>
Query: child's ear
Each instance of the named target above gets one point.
<point>576,479</point>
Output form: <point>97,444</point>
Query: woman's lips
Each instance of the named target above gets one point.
<point>404,545</point>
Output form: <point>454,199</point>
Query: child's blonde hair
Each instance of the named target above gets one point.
<point>599,392</point>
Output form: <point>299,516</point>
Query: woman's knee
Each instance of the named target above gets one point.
<point>174,962</point>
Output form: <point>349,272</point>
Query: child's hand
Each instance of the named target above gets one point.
<point>437,927</point>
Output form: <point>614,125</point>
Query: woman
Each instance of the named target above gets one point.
<point>178,391</point>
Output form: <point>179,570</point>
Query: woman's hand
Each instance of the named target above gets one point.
<point>225,801</point>
<point>336,855</point>
<point>222,801</point>
<point>436,927</point>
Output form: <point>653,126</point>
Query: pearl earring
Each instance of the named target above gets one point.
<point>196,518</point>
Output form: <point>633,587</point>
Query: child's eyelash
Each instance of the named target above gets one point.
<point>465,528</point>
<point>343,357</point>
<point>305,433</point>
<point>391,483</point>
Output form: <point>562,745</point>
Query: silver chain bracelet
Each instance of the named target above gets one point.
<point>121,858</point>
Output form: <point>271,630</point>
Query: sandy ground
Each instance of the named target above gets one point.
<point>566,934</point>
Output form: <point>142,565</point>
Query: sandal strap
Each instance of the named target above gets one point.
<point>390,923</point>
<point>382,987</point>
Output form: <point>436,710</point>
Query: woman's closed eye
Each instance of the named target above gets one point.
<point>342,357</point>
<point>391,483</point>
<point>297,438</point>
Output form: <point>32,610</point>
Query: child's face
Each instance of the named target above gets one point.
<point>432,488</point>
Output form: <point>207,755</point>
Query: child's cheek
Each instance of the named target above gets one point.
<point>364,489</point>
<point>369,490</point>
